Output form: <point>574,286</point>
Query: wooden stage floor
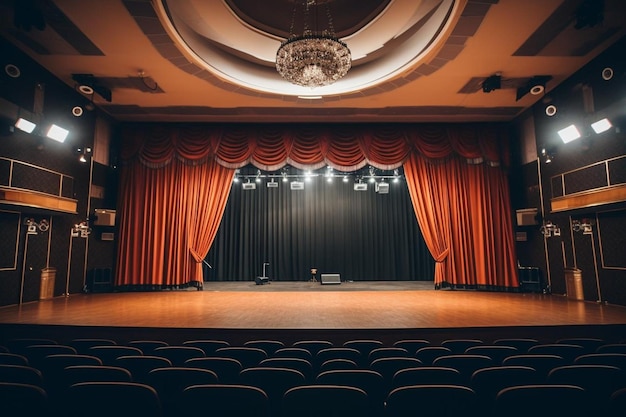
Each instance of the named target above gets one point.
<point>350,308</point>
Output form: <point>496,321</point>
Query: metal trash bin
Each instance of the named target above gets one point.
<point>46,289</point>
<point>574,284</point>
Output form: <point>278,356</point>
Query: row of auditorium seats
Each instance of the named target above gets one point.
<point>577,376</point>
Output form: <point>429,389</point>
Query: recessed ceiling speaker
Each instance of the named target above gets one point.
<point>607,73</point>
<point>551,110</point>
<point>77,111</point>
<point>85,89</point>
<point>535,90</point>
<point>12,70</point>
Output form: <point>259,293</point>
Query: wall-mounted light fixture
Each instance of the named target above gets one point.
<point>584,226</point>
<point>548,229</point>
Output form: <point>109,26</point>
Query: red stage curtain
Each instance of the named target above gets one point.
<point>176,181</point>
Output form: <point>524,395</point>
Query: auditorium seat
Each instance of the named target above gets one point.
<point>616,405</point>
<point>339,353</point>
<point>293,352</point>
<point>178,355</point>
<point>458,346</point>
<point>566,351</point>
<point>13,359</point>
<point>21,374</point>
<point>37,353</point>
<point>388,352</point>
<point>613,359</point>
<point>388,367</point>
<point>301,365</point>
<point>495,352</point>
<point>521,344</point>
<point>428,354</point>
<point>600,381</point>
<point>365,346</point>
<point>109,353</point>
<point>147,346</point>
<point>543,400</point>
<point>170,382</point>
<point>269,346</point>
<point>590,344</point>
<point>226,369</point>
<point>224,400</point>
<point>487,382</point>
<point>432,401</point>
<point>313,346</point>
<point>611,348</point>
<point>337,364</point>
<point>247,356</point>
<point>24,400</point>
<point>82,345</point>
<point>140,366</point>
<point>17,345</point>
<point>412,345</point>
<point>465,363</point>
<point>106,399</point>
<point>325,400</point>
<point>53,368</point>
<point>274,382</point>
<point>541,363</point>
<point>427,375</point>
<point>369,381</point>
<point>209,346</point>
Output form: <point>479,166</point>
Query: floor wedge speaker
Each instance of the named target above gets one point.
<point>330,279</point>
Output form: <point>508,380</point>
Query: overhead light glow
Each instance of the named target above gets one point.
<point>57,133</point>
<point>569,134</point>
<point>25,125</point>
<point>601,125</point>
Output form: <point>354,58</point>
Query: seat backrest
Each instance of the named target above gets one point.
<point>428,354</point>
<point>247,356</point>
<point>487,382</point>
<point>613,359</point>
<point>178,355</point>
<point>465,363</point>
<point>109,353</point>
<point>388,352</point>
<point>412,345</point>
<point>273,381</point>
<point>170,382</point>
<point>542,400</point>
<point>365,346</point>
<point>369,381</point>
<point>431,401</point>
<point>7,358</point>
<point>339,353</point>
<point>337,364</point>
<point>427,375</point>
<point>148,346</point>
<point>460,345</point>
<point>82,345</point>
<point>301,365</point>
<point>36,354</point>
<point>209,346</point>
<point>540,362</point>
<point>325,400</point>
<point>24,400</point>
<point>140,366</point>
<point>521,344</point>
<point>600,381</point>
<point>495,352</point>
<point>269,346</point>
<point>231,400</point>
<point>21,374</point>
<point>293,352</point>
<point>612,348</point>
<point>226,369</point>
<point>566,351</point>
<point>313,346</point>
<point>106,399</point>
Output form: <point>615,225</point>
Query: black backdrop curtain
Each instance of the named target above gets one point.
<point>362,235</point>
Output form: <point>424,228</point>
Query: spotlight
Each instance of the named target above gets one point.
<point>25,125</point>
<point>601,125</point>
<point>536,85</point>
<point>568,134</point>
<point>57,133</point>
<point>492,83</point>
<point>82,158</point>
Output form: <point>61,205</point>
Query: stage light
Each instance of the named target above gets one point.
<point>25,125</point>
<point>57,133</point>
<point>601,125</point>
<point>568,134</point>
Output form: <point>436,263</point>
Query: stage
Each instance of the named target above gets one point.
<point>243,311</point>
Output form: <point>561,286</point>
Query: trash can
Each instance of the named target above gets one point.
<point>46,290</point>
<point>574,284</point>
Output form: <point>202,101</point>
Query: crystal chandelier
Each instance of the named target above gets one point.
<point>313,59</point>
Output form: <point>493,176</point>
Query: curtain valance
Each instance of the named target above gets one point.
<point>343,147</point>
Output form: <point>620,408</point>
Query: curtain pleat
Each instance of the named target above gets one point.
<point>175,183</point>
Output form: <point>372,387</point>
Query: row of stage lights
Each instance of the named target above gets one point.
<point>381,182</point>
<point>572,132</point>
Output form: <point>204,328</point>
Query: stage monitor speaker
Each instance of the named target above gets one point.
<point>330,279</point>
<point>261,280</point>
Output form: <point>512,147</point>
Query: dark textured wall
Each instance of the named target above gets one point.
<point>577,167</point>
<point>20,280</point>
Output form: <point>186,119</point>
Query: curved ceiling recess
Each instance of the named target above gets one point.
<point>237,40</point>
